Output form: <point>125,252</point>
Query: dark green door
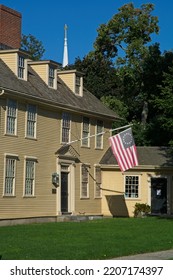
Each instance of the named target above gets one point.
<point>158,195</point>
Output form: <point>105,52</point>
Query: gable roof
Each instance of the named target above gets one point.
<point>63,97</point>
<point>147,156</point>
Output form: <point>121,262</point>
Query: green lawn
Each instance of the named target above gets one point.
<point>97,239</point>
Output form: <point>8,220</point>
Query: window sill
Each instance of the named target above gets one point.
<point>29,196</point>
<point>30,138</point>
<point>11,135</point>
<point>9,196</point>
<point>86,147</point>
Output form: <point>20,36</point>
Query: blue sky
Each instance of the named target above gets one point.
<point>45,20</point>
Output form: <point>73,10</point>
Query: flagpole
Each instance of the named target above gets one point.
<point>101,133</point>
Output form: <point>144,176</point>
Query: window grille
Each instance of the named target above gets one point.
<point>65,128</point>
<point>98,181</point>
<point>21,67</point>
<point>31,121</point>
<point>51,76</point>
<point>84,181</point>
<point>99,137</point>
<point>11,116</point>
<point>85,132</point>
<point>9,176</point>
<point>77,84</point>
<point>29,177</point>
<point>131,186</point>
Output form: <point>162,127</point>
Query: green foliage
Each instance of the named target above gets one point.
<point>33,46</point>
<point>100,75</point>
<point>131,76</point>
<point>128,32</point>
<point>141,209</point>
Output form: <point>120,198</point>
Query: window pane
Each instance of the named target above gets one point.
<point>65,128</point>
<point>51,76</point>
<point>11,116</point>
<point>9,176</point>
<point>77,85</point>
<point>29,177</point>
<point>31,121</point>
<point>98,181</point>
<point>132,186</point>
<point>21,67</point>
<point>85,131</point>
<point>99,137</point>
<point>84,183</point>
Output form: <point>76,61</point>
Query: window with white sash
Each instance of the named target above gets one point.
<point>65,128</point>
<point>21,67</point>
<point>85,132</point>
<point>31,121</point>
<point>51,76</point>
<point>99,134</point>
<point>84,181</point>
<point>131,186</point>
<point>29,188</point>
<point>98,182</point>
<point>11,119</point>
<point>10,175</point>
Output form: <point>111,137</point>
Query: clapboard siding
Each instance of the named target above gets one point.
<point>44,148</point>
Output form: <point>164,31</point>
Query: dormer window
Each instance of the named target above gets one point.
<point>51,77</point>
<point>73,79</point>
<point>21,67</point>
<point>78,85</point>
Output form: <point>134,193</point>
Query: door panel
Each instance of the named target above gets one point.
<point>158,195</point>
<point>64,192</point>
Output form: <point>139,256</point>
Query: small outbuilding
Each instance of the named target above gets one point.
<point>150,182</point>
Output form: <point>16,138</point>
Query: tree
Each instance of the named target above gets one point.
<point>127,34</point>
<point>100,75</point>
<point>33,46</point>
<point>163,105</point>
<point>125,40</point>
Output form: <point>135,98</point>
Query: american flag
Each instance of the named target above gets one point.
<point>124,149</point>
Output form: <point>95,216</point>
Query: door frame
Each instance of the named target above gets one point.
<point>156,197</point>
<point>70,169</point>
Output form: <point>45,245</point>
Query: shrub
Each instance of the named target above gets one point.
<point>141,209</point>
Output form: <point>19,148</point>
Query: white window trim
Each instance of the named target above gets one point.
<point>54,79</point>
<point>34,159</point>
<point>16,119</point>
<point>69,140</point>
<point>81,196</point>
<point>15,157</point>
<point>99,148</point>
<point>139,187</point>
<point>81,85</point>
<point>95,183</point>
<point>25,67</point>
<point>88,145</point>
<point>26,123</point>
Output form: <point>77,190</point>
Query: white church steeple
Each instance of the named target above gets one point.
<point>65,54</point>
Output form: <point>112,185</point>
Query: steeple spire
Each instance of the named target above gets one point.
<point>65,55</point>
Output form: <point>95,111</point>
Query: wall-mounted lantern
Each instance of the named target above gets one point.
<point>55,179</point>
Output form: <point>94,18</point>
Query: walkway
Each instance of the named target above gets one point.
<point>162,255</point>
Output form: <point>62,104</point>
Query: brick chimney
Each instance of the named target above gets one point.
<point>10,28</point>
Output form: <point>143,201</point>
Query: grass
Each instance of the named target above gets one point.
<point>98,239</point>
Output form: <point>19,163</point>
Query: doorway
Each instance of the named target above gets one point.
<point>158,195</point>
<point>64,192</point>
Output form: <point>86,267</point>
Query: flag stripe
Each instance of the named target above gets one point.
<point>125,155</point>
